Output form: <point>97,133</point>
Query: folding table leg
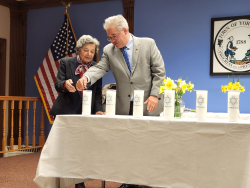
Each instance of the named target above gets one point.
<point>57,182</point>
<point>103,184</point>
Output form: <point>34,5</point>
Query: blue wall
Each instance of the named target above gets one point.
<point>180,28</point>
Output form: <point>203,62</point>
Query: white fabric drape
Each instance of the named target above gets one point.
<point>182,153</point>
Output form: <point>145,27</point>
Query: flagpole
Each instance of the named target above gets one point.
<point>67,48</point>
<point>67,5</point>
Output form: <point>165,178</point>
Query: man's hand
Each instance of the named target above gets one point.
<point>152,102</point>
<point>68,84</point>
<point>81,83</point>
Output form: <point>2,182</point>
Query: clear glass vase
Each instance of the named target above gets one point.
<point>179,106</point>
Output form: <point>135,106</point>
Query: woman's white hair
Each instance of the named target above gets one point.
<point>118,21</point>
<point>87,39</point>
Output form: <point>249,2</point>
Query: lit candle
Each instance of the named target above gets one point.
<point>110,102</point>
<point>233,104</point>
<point>201,105</point>
<point>138,103</point>
<point>86,102</point>
<point>169,99</point>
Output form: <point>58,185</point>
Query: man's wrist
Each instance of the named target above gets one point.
<point>153,96</point>
<point>88,79</point>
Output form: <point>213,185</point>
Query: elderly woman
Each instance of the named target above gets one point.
<point>70,71</point>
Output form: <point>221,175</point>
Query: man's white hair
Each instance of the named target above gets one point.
<point>118,21</point>
<point>87,39</point>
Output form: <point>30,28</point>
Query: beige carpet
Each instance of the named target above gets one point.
<point>19,172</point>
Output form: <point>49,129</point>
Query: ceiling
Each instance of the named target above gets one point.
<point>31,4</point>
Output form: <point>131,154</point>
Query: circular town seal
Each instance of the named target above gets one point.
<point>232,45</point>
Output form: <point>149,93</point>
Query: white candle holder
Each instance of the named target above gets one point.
<point>169,99</point>
<point>110,102</point>
<point>86,102</point>
<point>138,103</point>
<point>233,105</point>
<point>201,105</point>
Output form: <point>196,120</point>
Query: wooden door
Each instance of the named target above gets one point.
<point>2,84</point>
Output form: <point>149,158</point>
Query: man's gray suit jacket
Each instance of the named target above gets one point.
<point>147,72</point>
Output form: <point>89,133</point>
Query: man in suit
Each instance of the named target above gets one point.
<point>136,64</point>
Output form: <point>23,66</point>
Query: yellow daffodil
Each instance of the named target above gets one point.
<point>161,89</point>
<point>168,79</point>
<point>234,87</point>
<point>224,89</point>
<point>184,88</point>
<point>190,86</point>
<point>242,89</point>
<point>169,85</point>
<point>229,87</point>
<point>179,86</point>
<point>237,84</point>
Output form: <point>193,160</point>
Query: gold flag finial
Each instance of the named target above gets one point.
<point>66,5</point>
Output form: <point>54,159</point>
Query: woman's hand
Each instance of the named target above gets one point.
<point>69,86</point>
<point>100,113</point>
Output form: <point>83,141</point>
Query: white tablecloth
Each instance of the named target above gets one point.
<point>181,153</point>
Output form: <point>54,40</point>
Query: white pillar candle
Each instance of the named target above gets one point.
<point>138,103</point>
<point>86,102</point>
<point>233,106</point>
<point>169,99</point>
<point>201,105</point>
<point>110,102</point>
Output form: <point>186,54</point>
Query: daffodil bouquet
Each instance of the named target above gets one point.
<point>233,86</point>
<point>180,86</point>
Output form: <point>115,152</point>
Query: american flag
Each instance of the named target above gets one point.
<point>45,78</point>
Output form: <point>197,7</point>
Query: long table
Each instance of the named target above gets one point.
<point>179,153</point>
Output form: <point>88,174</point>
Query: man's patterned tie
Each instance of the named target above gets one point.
<point>125,55</point>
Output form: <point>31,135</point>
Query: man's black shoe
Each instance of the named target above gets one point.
<point>80,185</point>
<point>129,186</point>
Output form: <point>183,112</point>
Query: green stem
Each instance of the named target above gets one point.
<point>177,110</point>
